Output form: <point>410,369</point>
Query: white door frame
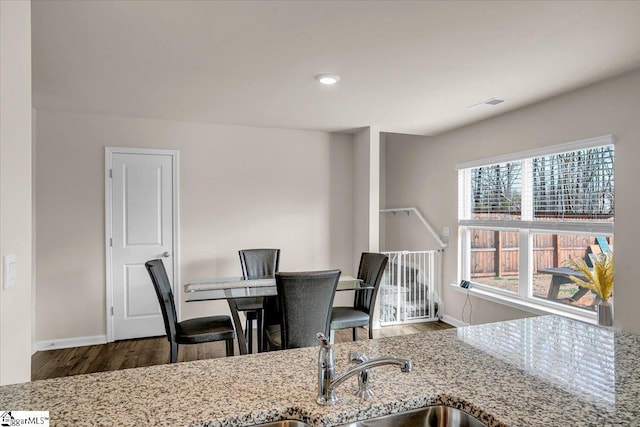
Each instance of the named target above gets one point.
<point>108,158</point>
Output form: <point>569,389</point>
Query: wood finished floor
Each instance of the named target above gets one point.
<point>155,351</point>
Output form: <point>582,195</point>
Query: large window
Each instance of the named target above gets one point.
<point>523,216</point>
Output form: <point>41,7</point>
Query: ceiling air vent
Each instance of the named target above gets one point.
<point>484,104</point>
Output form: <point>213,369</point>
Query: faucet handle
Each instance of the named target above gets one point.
<point>408,366</point>
<point>356,356</point>
<point>363,391</point>
<point>324,341</point>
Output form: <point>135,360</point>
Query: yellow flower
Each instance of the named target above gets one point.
<point>599,279</point>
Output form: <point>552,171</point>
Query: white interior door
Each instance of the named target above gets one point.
<point>142,228</point>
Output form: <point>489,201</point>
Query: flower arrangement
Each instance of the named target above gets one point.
<point>600,278</point>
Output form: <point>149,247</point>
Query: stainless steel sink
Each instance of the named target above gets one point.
<point>430,416</point>
<point>285,423</point>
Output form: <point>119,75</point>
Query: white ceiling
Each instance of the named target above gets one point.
<point>406,67</point>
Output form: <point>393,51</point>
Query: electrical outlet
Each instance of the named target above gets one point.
<point>8,271</point>
<point>445,231</point>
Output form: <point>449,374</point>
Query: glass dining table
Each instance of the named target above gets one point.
<point>232,288</point>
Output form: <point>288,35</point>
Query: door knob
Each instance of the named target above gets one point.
<point>166,254</point>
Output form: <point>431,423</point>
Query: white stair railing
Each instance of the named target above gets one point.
<point>408,292</point>
<point>422,219</point>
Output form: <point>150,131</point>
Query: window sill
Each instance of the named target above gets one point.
<point>528,305</point>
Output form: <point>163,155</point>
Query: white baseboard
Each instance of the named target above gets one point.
<point>453,321</point>
<point>70,342</point>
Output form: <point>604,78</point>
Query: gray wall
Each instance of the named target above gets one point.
<point>420,172</point>
<point>15,189</point>
<point>366,195</point>
<point>240,187</point>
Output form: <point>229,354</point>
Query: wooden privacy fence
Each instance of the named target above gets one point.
<point>496,253</point>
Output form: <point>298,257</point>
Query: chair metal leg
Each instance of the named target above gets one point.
<point>260,327</point>
<point>173,358</point>
<point>332,336</point>
<point>229,344</point>
<point>355,334</point>
<point>370,328</point>
<point>248,334</point>
<point>265,341</point>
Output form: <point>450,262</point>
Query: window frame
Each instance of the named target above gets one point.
<point>526,226</point>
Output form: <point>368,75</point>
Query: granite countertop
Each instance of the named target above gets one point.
<point>543,371</point>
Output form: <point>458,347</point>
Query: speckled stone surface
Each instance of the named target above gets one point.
<point>544,371</point>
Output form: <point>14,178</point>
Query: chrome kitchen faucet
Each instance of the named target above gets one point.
<point>328,381</point>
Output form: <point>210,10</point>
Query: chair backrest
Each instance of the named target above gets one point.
<point>259,263</point>
<point>165,296</point>
<point>305,300</point>
<point>371,269</point>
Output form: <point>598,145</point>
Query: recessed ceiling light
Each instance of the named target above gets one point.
<point>488,103</point>
<point>328,79</point>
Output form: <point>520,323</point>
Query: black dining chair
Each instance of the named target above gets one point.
<point>256,264</point>
<point>191,331</point>
<point>371,269</point>
<point>305,300</point>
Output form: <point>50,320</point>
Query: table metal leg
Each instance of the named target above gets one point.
<point>242,342</point>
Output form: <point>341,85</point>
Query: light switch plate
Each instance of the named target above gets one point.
<point>8,271</point>
<point>445,231</point>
